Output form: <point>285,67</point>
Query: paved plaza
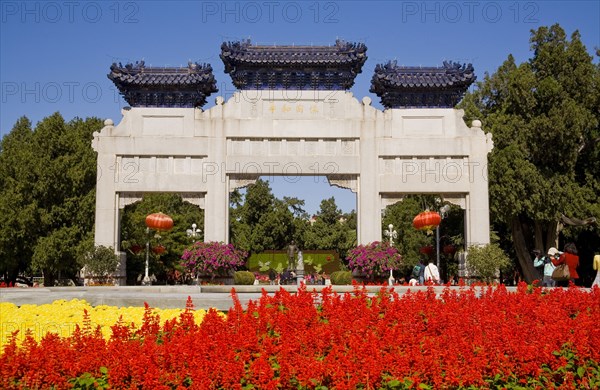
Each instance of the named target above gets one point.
<point>204,297</point>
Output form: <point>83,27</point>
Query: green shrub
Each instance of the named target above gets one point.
<point>243,277</point>
<point>485,261</point>
<point>341,278</point>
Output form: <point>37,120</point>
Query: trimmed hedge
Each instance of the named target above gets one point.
<point>329,260</point>
<point>244,278</point>
<point>341,278</point>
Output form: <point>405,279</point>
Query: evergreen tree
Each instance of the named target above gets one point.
<point>48,179</point>
<point>545,165</point>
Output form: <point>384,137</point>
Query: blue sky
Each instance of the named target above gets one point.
<point>54,55</point>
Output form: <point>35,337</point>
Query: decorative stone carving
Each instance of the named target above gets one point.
<point>240,181</point>
<point>344,181</point>
<point>197,199</point>
<point>127,198</point>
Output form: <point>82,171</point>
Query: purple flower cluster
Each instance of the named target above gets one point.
<point>212,258</point>
<point>374,259</point>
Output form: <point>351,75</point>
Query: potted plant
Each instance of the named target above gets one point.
<point>374,261</point>
<point>212,259</point>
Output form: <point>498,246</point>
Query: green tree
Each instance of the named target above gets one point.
<point>332,229</point>
<point>485,262</point>
<point>18,209</point>
<point>545,165</point>
<point>260,221</point>
<point>100,262</point>
<point>48,178</point>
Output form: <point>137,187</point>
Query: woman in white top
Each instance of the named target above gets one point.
<point>432,274</point>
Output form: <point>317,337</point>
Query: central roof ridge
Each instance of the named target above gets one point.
<point>331,67</point>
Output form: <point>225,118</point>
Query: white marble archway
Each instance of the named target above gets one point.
<point>204,155</point>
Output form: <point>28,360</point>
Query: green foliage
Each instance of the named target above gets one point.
<point>543,115</point>
<point>485,261</point>
<point>88,381</point>
<point>244,278</point>
<point>47,196</point>
<point>314,261</point>
<point>100,261</point>
<point>339,278</point>
<point>274,259</point>
<point>332,230</point>
<point>260,222</point>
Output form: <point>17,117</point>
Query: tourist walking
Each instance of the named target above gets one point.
<point>572,260</point>
<point>432,274</point>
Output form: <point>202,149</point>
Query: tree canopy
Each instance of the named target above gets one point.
<point>260,221</point>
<point>47,196</point>
<point>543,115</point>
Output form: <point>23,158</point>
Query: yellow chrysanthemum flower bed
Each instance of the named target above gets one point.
<point>61,316</point>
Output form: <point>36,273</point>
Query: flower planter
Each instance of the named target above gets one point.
<point>364,279</point>
<point>217,280</point>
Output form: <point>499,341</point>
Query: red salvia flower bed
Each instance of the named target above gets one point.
<point>473,337</point>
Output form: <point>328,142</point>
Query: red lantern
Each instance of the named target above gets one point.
<point>159,249</point>
<point>427,220</point>
<point>426,250</point>
<point>159,221</point>
<point>449,249</point>
<point>135,249</point>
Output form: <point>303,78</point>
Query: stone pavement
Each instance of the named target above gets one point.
<point>204,297</point>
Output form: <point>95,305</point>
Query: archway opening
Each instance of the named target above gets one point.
<point>443,246</point>
<point>163,248</point>
<point>276,211</point>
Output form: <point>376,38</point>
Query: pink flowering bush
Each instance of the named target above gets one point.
<point>213,258</point>
<point>374,260</point>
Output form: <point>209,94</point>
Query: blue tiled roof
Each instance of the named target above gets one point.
<point>293,67</point>
<point>143,86</point>
<point>421,86</point>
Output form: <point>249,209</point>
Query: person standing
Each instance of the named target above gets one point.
<point>432,274</point>
<point>547,281</point>
<point>422,272</point>
<point>597,268</point>
<point>538,264</point>
<point>572,260</point>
